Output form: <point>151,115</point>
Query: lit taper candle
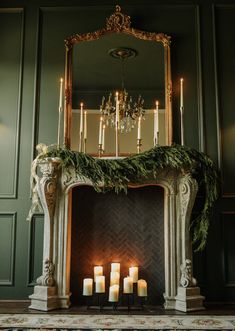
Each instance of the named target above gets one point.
<point>100,130</point>
<point>181,92</point>
<point>60,111</point>
<point>156,124</point>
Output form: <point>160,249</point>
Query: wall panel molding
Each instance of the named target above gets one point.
<point>34,251</point>
<point>227,233</point>
<point>219,113</point>
<point>13,193</point>
<point>201,136</point>
<point>9,217</point>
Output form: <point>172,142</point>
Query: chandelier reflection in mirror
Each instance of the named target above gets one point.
<point>120,107</point>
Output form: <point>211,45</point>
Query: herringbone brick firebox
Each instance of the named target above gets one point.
<point>126,228</point>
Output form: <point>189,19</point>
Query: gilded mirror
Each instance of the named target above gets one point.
<point>102,64</point>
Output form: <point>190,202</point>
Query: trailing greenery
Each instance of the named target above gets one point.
<point>118,173</point>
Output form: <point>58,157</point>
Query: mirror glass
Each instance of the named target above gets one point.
<point>96,70</point>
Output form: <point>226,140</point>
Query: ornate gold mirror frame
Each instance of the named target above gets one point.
<point>117,23</point>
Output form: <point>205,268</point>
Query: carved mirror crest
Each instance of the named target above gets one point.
<point>117,58</point>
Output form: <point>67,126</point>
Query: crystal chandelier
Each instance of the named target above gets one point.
<point>129,110</point>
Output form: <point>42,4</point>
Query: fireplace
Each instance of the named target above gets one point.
<point>126,228</point>
<point>171,194</point>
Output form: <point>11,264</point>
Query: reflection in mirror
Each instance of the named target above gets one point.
<point>96,74</point>
<point>117,68</point>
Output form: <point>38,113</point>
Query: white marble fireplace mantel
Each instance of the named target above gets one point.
<point>53,186</point>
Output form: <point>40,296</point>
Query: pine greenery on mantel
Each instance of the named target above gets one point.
<point>117,173</point>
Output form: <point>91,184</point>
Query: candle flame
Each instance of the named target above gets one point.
<point>157,103</point>
<point>103,126</point>
<point>117,94</point>
<point>61,80</point>
<point>85,112</point>
<point>181,79</point>
<point>81,104</point>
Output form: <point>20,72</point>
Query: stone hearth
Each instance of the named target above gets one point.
<point>54,188</point>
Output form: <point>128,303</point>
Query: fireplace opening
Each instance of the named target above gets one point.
<point>126,228</point>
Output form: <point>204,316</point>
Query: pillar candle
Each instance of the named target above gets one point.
<point>87,286</point>
<point>139,128</point>
<point>142,288</point>
<point>114,278</point>
<point>61,94</point>
<point>133,272</point>
<point>98,271</point>
<point>81,117</point>
<point>103,138</point>
<point>181,92</point>
<point>128,285</point>
<point>100,284</point>
<point>85,124</point>
<point>113,293</point>
<point>115,266</point>
<point>100,130</point>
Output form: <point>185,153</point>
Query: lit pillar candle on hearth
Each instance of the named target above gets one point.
<point>113,293</point>
<point>139,128</point>
<point>133,272</point>
<point>100,284</point>
<point>142,288</point>
<point>114,278</point>
<point>98,271</point>
<point>115,266</point>
<point>128,285</point>
<point>87,286</point>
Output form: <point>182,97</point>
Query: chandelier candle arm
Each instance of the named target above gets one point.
<point>182,110</point>
<point>156,124</point>
<point>60,111</point>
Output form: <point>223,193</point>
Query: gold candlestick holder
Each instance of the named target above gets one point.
<point>84,145</point>
<point>156,139</point>
<point>100,150</point>
<point>139,144</point>
<point>80,142</point>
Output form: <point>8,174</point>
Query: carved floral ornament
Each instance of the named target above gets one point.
<point>116,23</point>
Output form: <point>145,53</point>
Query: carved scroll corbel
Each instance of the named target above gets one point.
<point>187,279</point>
<point>47,278</point>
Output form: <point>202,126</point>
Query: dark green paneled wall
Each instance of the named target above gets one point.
<point>31,62</point>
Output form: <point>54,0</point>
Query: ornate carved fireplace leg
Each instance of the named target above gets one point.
<point>45,292</point>
<point>188,297</point>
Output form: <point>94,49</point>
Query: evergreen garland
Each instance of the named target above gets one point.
<point>117,173</point>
